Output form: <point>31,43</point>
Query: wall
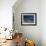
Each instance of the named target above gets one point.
<point>6,16</point>
<point>6,13</point>
<point>29,32</point>
<point>43,22</point>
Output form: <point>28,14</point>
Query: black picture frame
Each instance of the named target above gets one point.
<point>29,19</point>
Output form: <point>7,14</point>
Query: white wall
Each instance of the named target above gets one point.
<point>43,22</point>
<point>6,13</point>
<point>31,32</point>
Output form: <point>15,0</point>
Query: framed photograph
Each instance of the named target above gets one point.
<point>28,18</point>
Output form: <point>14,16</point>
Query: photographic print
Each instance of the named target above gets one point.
<point>28,18</point>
